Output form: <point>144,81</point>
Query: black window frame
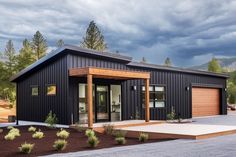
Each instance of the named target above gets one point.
<point>47,85</point>
<point>155,95</point>
<point>34,86</point>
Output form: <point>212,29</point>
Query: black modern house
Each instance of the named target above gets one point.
<point>87,86</point>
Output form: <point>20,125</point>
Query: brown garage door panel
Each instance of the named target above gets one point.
<point>205,102</point>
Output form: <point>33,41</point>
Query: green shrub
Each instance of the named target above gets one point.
<point>60,144</point>
<point>93,141</point>
<point>143,137</point>
<point>51,120</point>
<point>108,129</point>
<point>171,115</point>
<point>120,140</point>
<point>89,133</point>
<point>63,134</point>
<point>31,129</point>
<point>10,137</point>
<point>26,148</point>
<point>119,133</point>
<point>38,135</point>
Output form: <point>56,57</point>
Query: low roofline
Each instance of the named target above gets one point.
<point>176,69</point>
<point>72,48</point>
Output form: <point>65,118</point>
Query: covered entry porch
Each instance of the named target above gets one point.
<point>102,73</point>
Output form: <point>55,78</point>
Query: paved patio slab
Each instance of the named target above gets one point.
<point>192,131</point>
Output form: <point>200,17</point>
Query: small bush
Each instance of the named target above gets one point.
<point>108,129</point>
<point>79,127</point>
<point>93,141</point>
<point>89,133</point>
<point>171,115</point>
<point>14,131</point>
<point>119,133</point>
<point>38,135</point>
<point>31,129</point>
<point>10,137</point>
<point>26,148</point>
<point>60,144</point>
<point>63,134</point>
<point>120,140</point>
<point>51,120</point>
<point>143,137</point>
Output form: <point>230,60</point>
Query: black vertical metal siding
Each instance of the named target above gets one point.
<point>65,103</point>
<point>36,108</point>
<point>175,83</point>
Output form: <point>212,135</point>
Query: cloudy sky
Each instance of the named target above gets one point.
<point>190,32</point>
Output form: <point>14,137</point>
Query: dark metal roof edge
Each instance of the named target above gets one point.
<point>73,48</point>
<point>35,64</point>
<point>154,66</point>
<point>99,53</point>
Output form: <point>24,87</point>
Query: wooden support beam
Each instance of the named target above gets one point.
<point>147,110</point>
<point>90,100</point>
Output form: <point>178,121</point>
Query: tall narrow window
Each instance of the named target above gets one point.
<point>34,90</point>
<point>156,96</point>
<point>51,90</point>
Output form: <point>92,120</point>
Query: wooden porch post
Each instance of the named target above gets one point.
<point>90,100</point>
<point>147,110</point>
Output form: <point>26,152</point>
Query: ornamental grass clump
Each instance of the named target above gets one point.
<point>93,141</point>
<point>143,137</point>
<point>63,134</point>
<point>32,129</point>
<point>26,148</point>
<point>108,129</point>
<point>60,144</point>
<point>120,140</point>
<point>12,134</point>
<point>89,133</point>
<point>38,134</point>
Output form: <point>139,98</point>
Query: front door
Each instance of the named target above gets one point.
<point>102,103</point>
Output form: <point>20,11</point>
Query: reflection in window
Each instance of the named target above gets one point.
<point>156,96</point>
<point>51,90</point>
<point>35,91</point>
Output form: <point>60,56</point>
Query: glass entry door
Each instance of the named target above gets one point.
<point>102,103</point>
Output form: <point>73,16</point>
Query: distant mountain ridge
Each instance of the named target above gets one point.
<point>227,63</point>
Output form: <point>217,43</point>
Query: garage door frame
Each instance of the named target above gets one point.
<point>214,86</point>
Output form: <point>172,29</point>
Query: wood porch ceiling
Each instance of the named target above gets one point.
<point>108,73</point>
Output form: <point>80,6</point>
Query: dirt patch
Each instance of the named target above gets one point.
<point>5,111</point>
<point>76,142</point>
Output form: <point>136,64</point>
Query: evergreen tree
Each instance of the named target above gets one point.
<point>10,55</point>
<point>214,66</point>
<point>93,38</point>
<point>39,45</point>
<point>60,43</point>
<point>168,62</point>
<point>26,56</point>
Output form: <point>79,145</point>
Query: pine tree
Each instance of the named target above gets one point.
<point>94,38</point>
<point>60,43</point>
<point>26,56</point>
<point>214,66</point>
<point>168,62</point>
<point>39,45</point>
<point>10,55</point>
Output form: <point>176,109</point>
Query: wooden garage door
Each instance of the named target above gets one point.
<point>205,102</point>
